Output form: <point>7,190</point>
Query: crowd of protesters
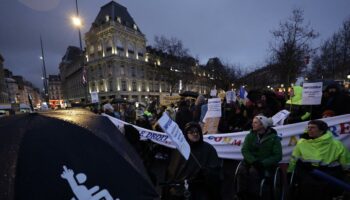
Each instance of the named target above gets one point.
<point>250,113</point>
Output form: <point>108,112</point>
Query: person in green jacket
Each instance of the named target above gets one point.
<point>318,150</point>
<point>262,151</point>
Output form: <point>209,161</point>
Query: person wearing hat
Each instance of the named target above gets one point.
<point>318,151</point>
<point>262,151</point>
<point>201,170</point>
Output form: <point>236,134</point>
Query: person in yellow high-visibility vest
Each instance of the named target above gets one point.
<point>318,151</point>
<point>294,104</point>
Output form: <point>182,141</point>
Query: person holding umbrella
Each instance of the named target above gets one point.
<point>201,170</point>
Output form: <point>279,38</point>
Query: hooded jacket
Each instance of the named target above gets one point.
<point>267,149</point>
<point>321,151</point>
<point>202,170</point>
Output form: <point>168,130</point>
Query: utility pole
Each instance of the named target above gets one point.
<point>84,72</point>
<point>44,77</point>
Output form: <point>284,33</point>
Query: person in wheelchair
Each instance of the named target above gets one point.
<point>317,150</point>
<point>262,152</point>
<point>202,170</point>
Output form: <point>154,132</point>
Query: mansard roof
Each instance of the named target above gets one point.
<point>72,53</point>
<point>115,11</point>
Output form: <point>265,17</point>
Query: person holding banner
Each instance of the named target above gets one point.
<point>322,152</point>
<point>262,151</point>
<point>201,170</point>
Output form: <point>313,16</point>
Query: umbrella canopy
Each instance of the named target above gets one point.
<point>118,100</point>
<point>189,94</point>
<point>65,154</point>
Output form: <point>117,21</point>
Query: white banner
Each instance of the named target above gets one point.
<point>214,108</point>
<point>175,134</point>
<point>229,145</point>
<point>312,93</point>
<point>278,118</point>
<point>213,93</point>
<point>230,96</point>
<point>94,97</point>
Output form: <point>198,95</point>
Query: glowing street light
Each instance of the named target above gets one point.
<point>76,21</point>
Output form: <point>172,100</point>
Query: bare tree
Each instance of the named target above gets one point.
<point>172,46</point>
<point>334,55</point>
<point>172,61</point>
<point>292,44</point>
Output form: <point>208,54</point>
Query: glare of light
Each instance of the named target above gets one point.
<point>76,21</point>
<point>40,57</point>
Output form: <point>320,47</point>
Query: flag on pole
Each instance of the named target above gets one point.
<point>84,76</point>
<point>242,93</point>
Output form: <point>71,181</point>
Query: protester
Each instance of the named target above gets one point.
<point>328,113</point>
<point>197,108</point>
<point>335,99</point>
<point>262,152</point>
<point>130,114</point>
<point>108,109</point>
<point>202,169</point>
<point>183,115</point>
<point>171,111</point>
<point>319,151</point>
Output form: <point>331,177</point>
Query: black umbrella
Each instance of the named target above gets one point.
<point>118,100</point>
<point>189,94</point>
<point>65,154</point>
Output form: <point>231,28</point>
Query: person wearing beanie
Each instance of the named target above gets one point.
<point>262,151</point>
<point>201,170</point>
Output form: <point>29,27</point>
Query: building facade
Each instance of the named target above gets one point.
<point>117,64</point>
<point>116,57</point>
<point>71,71</point>
<point>3,91</point>
<point>19,90</point>
<point>55,92</point>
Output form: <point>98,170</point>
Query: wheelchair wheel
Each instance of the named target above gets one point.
<point>235,185</point>
<point>272,187</point>
<point>278,186</point>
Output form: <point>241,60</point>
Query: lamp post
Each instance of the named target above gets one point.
<point>44,77</point>
<point>76,20</point>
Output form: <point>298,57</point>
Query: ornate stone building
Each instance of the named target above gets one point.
<point>55,92</point>
<point>118,65</point>
<point>3,91</point>
<point>116,57</point>
<point>71,71</point>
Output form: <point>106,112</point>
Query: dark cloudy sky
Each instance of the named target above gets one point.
<point>237,31</point>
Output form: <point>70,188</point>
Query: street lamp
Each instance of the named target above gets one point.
<point>77,22</point>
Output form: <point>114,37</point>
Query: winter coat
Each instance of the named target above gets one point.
<point>321,151</point>
<point>267,149</point>
<point>183,116</point>
<point>204,180</point>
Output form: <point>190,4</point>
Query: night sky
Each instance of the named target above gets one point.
<point>237,31</point>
